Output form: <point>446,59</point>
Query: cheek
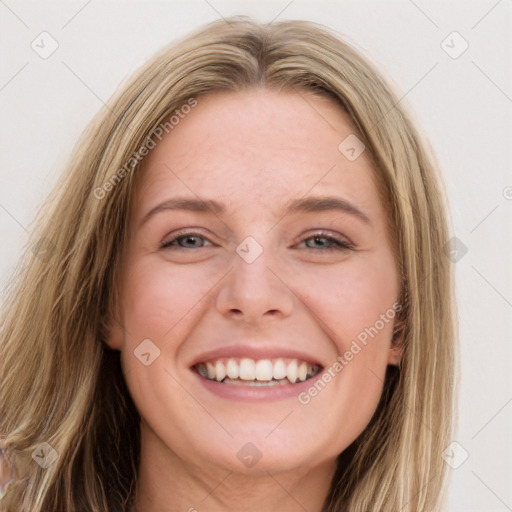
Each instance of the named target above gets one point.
<point>355,309</point>
<point>158,296</point>
<point>355,293</point>
<point>355,303</point>
<point>159,301</point>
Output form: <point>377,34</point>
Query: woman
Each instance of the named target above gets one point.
<point>298,355</point>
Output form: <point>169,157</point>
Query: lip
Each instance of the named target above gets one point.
<point>255,351</point>
<point>256,393</point>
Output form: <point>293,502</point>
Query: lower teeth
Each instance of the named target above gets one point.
<point>240,382</point>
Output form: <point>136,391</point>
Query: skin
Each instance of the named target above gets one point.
<point>253,151</point>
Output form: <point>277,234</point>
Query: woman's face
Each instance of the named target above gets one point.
<point>256,285</point>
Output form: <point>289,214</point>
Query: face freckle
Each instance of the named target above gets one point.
<point>260,275</point>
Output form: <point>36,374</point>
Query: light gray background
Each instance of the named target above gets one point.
<point>464,105</point>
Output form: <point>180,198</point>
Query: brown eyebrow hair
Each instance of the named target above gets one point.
<point>306,205</point>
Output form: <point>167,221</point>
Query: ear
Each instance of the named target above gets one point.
<point>114,334</point>
<point>111,329</point>
<point>396,349</point>
<point>395,355</point>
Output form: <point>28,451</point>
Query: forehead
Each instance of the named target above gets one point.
<point>257,148</point>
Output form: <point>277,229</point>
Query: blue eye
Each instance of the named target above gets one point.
<point>335,244</point>
<point>187,236</point>
<point>193,237</point>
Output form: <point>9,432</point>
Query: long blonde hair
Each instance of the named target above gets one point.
<point>61,385</point>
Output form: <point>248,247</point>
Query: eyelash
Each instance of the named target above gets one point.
<point>340,245</point>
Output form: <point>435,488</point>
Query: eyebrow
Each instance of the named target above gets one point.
<point>303,205</point>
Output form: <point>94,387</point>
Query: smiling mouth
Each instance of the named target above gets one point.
<point>262,372</point>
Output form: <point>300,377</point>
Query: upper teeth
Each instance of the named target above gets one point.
<point>261,370</point>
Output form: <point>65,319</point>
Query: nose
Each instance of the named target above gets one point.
<point>254,291</point>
